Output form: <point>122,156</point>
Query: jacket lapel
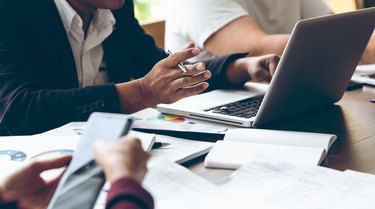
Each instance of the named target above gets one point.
<point>55,42</point>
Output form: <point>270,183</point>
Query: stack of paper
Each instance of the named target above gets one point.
<point>263,183</point>
<point>174,186</point>
<point>276,184</point>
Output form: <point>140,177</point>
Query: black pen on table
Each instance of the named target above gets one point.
<point>372,100</point>
<point>159,144</point>
<point>180,65</point>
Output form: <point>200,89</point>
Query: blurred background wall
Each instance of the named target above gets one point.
<point>153,10</point>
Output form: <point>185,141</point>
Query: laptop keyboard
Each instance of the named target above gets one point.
<point>246,108</point>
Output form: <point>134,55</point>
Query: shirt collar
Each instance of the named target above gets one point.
<point>102,17</point>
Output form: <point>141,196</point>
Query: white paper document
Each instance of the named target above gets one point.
<point>174,186</point>
<point>270,183</point>
<point>152,119</point>
<point>277,184</point>
<point>240,146</point>
<point>179,150</point>
<point>16,151</point>
<point>263,183</point>
<point>233,155</point>
<point>175,149</point>
<point>292,138</point>
<point>69,129</point>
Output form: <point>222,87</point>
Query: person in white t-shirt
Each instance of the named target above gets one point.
<point>220,27</point>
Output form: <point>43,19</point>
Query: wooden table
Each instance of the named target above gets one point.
<point>352,119</point>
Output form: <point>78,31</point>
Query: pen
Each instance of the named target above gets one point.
<point>180,65</point>
<point>159,144</point>
<point>372,100</point>
<point>79,131</point>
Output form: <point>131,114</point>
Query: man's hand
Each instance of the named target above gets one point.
<point>125,158</point>
<point>165,83</point>
<point>27,186</point>
<point>259,69</point>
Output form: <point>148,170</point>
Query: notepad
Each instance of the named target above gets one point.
<point>240,146</point>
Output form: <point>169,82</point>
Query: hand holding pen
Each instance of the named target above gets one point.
<point>170,80</point>
<point>180,65</point>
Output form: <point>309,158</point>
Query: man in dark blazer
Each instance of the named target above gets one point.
<point>41,88</point>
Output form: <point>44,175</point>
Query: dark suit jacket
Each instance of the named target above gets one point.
<point>38,80</point>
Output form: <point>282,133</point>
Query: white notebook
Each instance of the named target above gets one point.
<point>240,146</point>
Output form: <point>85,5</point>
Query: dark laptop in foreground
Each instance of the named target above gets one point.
<point>314,71</point>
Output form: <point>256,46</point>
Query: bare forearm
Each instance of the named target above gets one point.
<point>244,35</point>
<point>269,44</point>
<point>260,45</point>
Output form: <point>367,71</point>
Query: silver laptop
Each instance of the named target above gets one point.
<point>314,71</point>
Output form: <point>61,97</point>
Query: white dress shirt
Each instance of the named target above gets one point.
<point>88,52</point>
